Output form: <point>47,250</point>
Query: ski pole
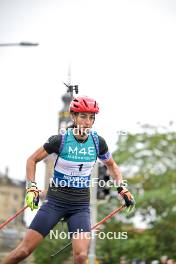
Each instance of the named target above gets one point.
<point>13,217</point>
<point>93,227</point>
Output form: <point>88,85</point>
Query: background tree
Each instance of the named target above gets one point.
<point>148,160</point>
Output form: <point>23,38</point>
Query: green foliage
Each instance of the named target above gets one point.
<point>148,162</point>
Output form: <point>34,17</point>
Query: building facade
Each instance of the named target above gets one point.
<point>12,194</point>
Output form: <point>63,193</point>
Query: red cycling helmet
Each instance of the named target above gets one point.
<point>84,104</point>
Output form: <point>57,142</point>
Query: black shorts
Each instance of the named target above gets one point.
<point>52,211</point>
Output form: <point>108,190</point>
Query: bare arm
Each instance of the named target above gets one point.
<point>123,192</point>
<point>113,170</point>
<point>37,156</point>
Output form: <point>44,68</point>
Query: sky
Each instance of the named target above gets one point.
<point>121,52</point>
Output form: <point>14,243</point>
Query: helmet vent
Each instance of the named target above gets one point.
<point>85,103</point>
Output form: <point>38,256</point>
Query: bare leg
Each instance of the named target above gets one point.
<point>80,246</point>
<point>25,248</point>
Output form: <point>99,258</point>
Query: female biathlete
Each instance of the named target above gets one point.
<point>68,194</point>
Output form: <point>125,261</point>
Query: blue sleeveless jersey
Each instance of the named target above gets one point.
<point>76,160</point>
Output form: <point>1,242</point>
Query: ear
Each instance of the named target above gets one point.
<point>73,117</point>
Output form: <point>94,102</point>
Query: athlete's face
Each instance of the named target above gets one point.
<point>84,120</point>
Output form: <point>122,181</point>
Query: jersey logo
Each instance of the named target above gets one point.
<point>83,151</point>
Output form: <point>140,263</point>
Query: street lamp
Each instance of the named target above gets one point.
<point>22,43</point>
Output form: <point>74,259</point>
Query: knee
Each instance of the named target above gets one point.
<point>80,257</point>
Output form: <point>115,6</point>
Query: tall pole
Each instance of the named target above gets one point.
<point>93,204</point>
<point>69,81</point>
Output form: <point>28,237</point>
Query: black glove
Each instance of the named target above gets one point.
<point>126,195</point>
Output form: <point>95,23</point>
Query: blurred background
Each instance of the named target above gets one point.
<point>123,54</point>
